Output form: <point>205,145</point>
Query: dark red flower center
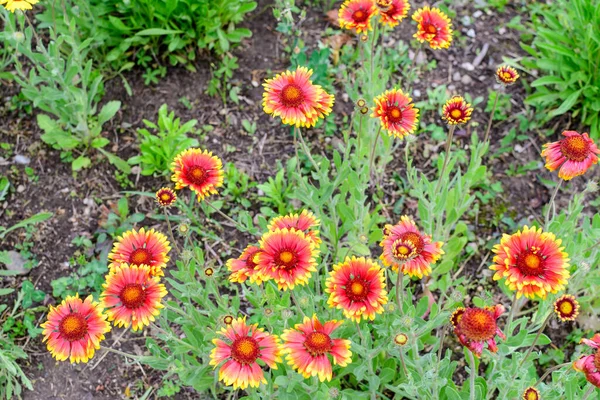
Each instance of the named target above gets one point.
<point>429,28</point>
<point>575,148</point>
<point>292,95</point>
<point>408,246</point>
<point>140,256</point>
<point>286,259</point>
<point>357,289</point>
<point>252,259</point>
<point>457,316</point>
<point>531,394</point>
<point>456,113</point>
<point>73,327</point>
<point>245,350</point>
<point>477,324</point>
<point>394,114</point>
<point>133,295</point>
<point>597,360</point>
<point>196,174</point>
<point>566,308</point>
<point>318,343</point>
<point>165,197</point>
<point>360,16</point>
<point>530,263</point>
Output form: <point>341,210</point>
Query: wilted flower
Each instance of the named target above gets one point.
<point>183,228</point>
<point>199,170</point>
<point>591,186</point>
<point>457,111</point>
<point>566,308</point>
<point>475,327</point>
<point>308,344</point>
<point>434,27</point>
<point>143,247</point>
<point>286,314</point>
<point>74,329</point>
<point>228,319</point>
<point>357,14</point>
<point>209,271</point>
<point>401,339</point>
<point>396,112</point>
<point>241,347</point>
<point>532,261</point>
<point>574,154</point>
<point>506,75</point>
<point>590,365</point>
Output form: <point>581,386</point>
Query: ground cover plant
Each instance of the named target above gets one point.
<point>354,220</point>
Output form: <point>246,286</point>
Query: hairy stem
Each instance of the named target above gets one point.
<point>473,375</point>
<point>551,205</point>
<point>489,126</point>
<point>446,156</point>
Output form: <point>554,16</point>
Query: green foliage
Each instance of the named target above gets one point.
<point>12,377</point>
<point>157,151</point>
<point>565,51</point>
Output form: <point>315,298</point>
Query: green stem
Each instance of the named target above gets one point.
<point>589,392</point>
<point>473,375</point>
<point>549,371</point>
<point>362,338</point>
<point>489,126</point>
<point>446,156</point>
<point>372,158</point>
<point>400,290</point>
<point>121,353</point>
<point>533,344</point>
<point>171,232</point>
<point>511,315</point>
<point>293,296</point>
<point>228,218</point>
<point>551,205</point>
<point>307,151</point>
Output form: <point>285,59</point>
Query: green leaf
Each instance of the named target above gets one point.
<point>100,142</point>
<point>547,80</point>
<point>117,161</point>
<point>452,394</point>
<point>108,111</point>
<point>4,292</point>
<point>80,162</point>
<point>157,32</point>
<point>567,104</point>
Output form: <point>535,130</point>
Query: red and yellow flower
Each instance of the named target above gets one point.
<point>293,97</point>
<point>409,249</point>
<point>165,197</point>
<point>132,296</point>
<point>357,15</point>
<point>457,111</point>
<point>288,257</point>
<point>357,287</point>
<point>393,12</point>
<point>475,327</point>
<point>308,345</point>
<point>74,329</point>
<point>532,261</point>
<point>143,247</point>
<point>245,266</point>
<point>12,5</point>
<point>304,222</point>
<point>241,347</point>
<point>433,27</point>
<point>590,365</point>
<point>574,154</point>
<point>199,170</point>
<point>506,75</point>
<point>531,393</point>
<point>566,308</point>
<point>396,112</point>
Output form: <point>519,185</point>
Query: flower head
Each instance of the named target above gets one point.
<point>143,247</point>
<point>245,266</point>
<point>74,329</point>
<point>532,261</point>
<point>295,99</point>
<point>396,112</point>
<point>475,327</point>
<point>590,365</point>
<point>132,296</point>
<point>531,393</point>
<point>574,154</point>
<point>288,257</point>
<point>566,308</point>
<point>506,75</point>
<point>209,271</point>
<point>308,344</point>
<point>400,339</point>
<point>357,15</point>
<point>241,347</point>
<point>409,249</point>
<point>12,5</point>
<point>228,319</point>
<point>456,111</point>
<point>199,170</point>
<point>166,197</point>
<point>304,222</point>
<point>357,287</point>
<point>393,12</point>
<point>434,27</point>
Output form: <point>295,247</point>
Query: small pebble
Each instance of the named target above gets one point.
<point>477,14</point>
<point>466,79</point>
<point>456,76</point>
<point>471,33</point>
<point>416,93</point>
<point>468,66</point>
<point>20,189</point>
<point>19,159</point>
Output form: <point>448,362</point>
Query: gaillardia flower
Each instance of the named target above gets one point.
<point>228,319</point>
<point>292,96</point>
<point>590,365</point>
<point>506,75</point>
<point>12,5</point>
<point>532,261</point>
<point>475,327</point>
<point>396,112</point>
<point>132,296</point>
<point>434,27</point>
<point>574,154</point>
<point>165,197</point>
<point>394,13</point>
<point>357,14</point>
<point>288,257</point>
<point>531,393</point>
<point>400,339</point>
<point>241,348</point>
<point>457,111</point>
<point>199,170</point>
<point>308,344</point>
<point>244,266</point>
<point>143,247</point>
<point>74,329</point>
<point>357,287</point>
<point>566,308</point>
<point>304,222</point>
<point>409,249</point>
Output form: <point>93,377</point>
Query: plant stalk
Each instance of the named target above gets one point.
<point>473,375</point>
<point>400,290</point>
<point>551,205</point>
<point>539,333</point>
<point>446,156</point>
<point>489,126</point>
<point>511,315</point>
